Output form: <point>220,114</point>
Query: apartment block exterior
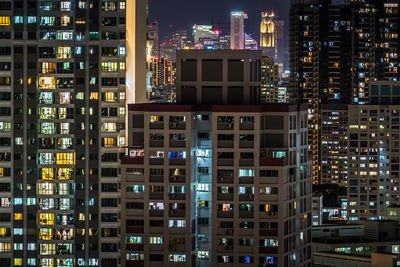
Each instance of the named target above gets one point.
<point>336,49</point>
<point>216,184</point>
<point>62,125</point>
<point>270,91</point>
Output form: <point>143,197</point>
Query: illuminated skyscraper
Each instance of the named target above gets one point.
<point>272,36</point>
<point>153,34</point>
<point>237,30</point>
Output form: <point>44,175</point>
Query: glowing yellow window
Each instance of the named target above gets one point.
<point>65,20</point>
<point>111,97</point>
<point>47,249</point>
<point>109,66</point>
<point>109,142</point>
<point>64,174</point>
<point>65,158</point>
<point>5,247</point>
<point>64,52</point>
<point>48,174</point>
<point>1,172</point>
<point>48,67</point>
<point>94,96</point>
<point>5,21</point>
<point>46,218</point>
<point>17,216</point>
<point>47,83</point>
<point>45,188</point>
<point>17,262</point>
<point>46,233</point>
<point>3,232</point>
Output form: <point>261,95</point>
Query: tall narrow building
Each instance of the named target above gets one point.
<point>62,123</point>
<point>216,179</point>
<point>237,30</point>
<point>272,35</point>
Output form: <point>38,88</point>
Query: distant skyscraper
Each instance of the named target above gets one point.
<point>153,34</point>
<point>237,30</point>
<point>179,38</point>
<point>272,36</point>
<point>269,81</point>
<point>250,43</point>
<point>202,32</point>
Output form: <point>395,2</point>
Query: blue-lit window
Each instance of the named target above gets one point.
<point>31,19</point>
<point>18,231</point>
<point>79,50</point>
<point>135,188</point>
<point>177,155</point>
<point>18,19</point>
<point>246,259</point>
<point>177,189</point>
<point>122,50</point>
<point>268,260</point>
<point>31,262</point>
<point>134,240</point>
<point>18,201</point>
<point>225,259</point>
<point>246,173</point>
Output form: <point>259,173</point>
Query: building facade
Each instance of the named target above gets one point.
<point>62,123</point>
<point>216,184</point>
<point>270,92</point>
<point>237,30</point>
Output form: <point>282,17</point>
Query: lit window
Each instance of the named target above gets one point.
<point>177,258</point>
<point>5,126</point>
<point>18,216</point>
<point>19,141</point>
<point>46,234</point>
<point>18,201</point>
<point>17,261</point>
<point>45,188</point>
<point>5,247</point>
<point>134,240</point>
<point>122,5</point>
<point>31,19</point>
<point>156,240</point>
<point>65,20</point>
<point>65,35</point>
<point>65,158</point>
<point>64,52</point>
<point>18,231</point>
<point>31,262</point>
<point>135,257</point>
<point>47,21</point>
<point>18,19</point>
<point>5,21</point>
<point>122,51</point>
<point>47,83</point>
<point>65,6</point>
<point>109,66</point>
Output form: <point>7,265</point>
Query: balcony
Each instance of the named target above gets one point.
<point>156,178</point>
<point>222,249</point>
<point>177,143</point>
<point>268,215</point>
<point>135,212</point>
<point>135,247</point>
<point>246,197</point>
<point>156,230</point>
<point>221,197</point>
<point>156,161</point>
<point>225,144</point>
<point>177,179</point>
<point>155,247</point>
<point>225,231</point>
<point>246,180</point>
<point>225,180</point>
<point>156,213</point>
<point>177,213</point>
<point>177,125</point>
<point>156,125</point>
<point>225,126</point>
<point>156,143</point>
<point>225,162</point>
<point>156,195</point>
<point>134,178</point>
<point>177,196</point>
<point>246,232</point>
<point>246,126</point>
<point>134,229</point>
<point>268,250</point>
<point>224,214</point>
<point>177,161</point>
<point>132,160</point>
<point>273,161</point>
<point>246,214</point>
<point>268,232</point>
<point>246,162</point>
<point>246,144</point>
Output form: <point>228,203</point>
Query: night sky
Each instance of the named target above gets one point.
<point>182,14</point>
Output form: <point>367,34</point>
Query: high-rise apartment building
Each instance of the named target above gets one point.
<point>269,81</point>
<point>219,183</point>
<point>237,30</point>
<point>202,32</point>
<point>62,123</point>
<point>163,72</point>
<point>336,49</point>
